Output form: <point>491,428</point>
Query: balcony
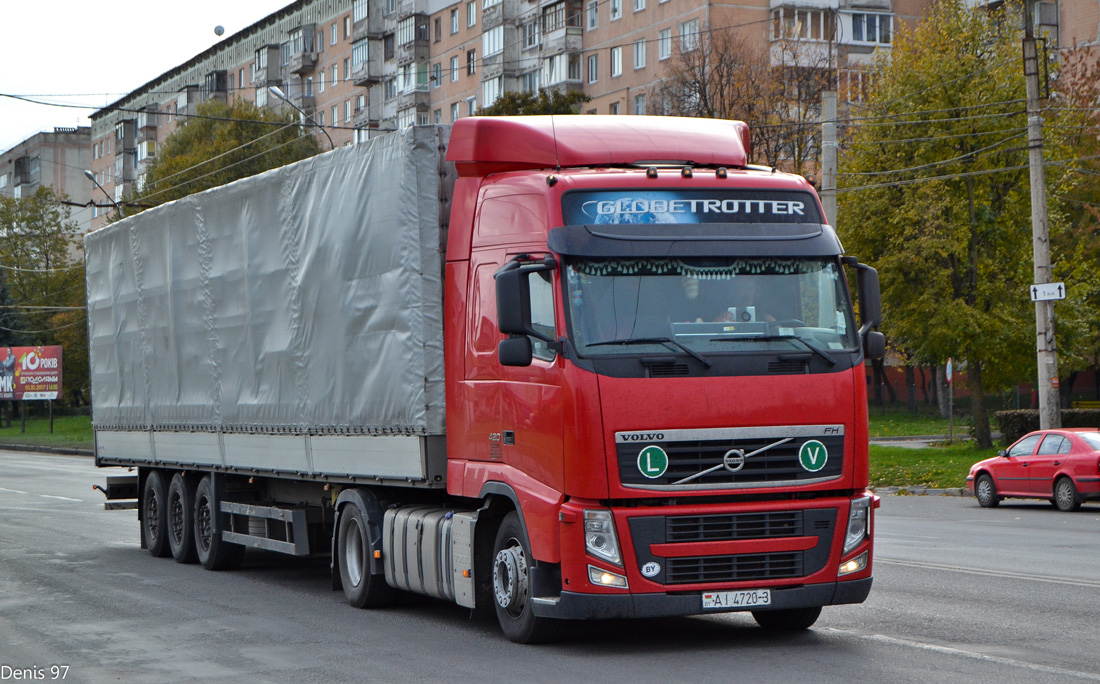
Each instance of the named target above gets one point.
<point>567,39</point>
<point>271,76</point>
<point>419,98</point>
<point>301,62</point>
<point>415,51</point>
<point>367,74</point>
<point>364,119</point>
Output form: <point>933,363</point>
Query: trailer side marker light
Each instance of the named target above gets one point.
<point>466,573</point>
<point>377,554</point>
<point>651,172</point>
<point>685,172</point>
<point>720,172</point>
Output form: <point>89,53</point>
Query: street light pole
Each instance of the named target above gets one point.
<point>277,92</point>
<point>116,205</point>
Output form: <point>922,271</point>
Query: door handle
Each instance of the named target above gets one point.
<point>1057,463</point>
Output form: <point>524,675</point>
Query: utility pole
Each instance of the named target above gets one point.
<point>828,155</point>
<point>1050,415</point>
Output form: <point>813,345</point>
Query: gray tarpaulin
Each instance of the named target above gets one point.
<point>308,298</point>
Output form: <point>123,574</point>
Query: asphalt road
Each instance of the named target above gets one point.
<point>962,594</point>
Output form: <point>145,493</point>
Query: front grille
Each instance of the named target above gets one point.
<point>733,526</point>
<point>646,532</point>
<point>742,568</point>
<point>729,457</point>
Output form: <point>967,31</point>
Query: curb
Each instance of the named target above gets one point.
<point>924,491</point>
<point>58,451</point>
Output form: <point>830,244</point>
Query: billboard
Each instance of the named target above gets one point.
<point>28,373</point>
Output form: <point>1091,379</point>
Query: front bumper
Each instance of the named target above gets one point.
<point>575,606</point>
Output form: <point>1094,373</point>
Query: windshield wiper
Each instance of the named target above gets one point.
<point>829,358</point>
<point>653,340</point>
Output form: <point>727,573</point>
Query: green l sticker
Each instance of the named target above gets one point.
<point>652,462</point>
<point>813,455</point>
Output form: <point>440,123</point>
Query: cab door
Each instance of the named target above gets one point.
<point>1048,459</point>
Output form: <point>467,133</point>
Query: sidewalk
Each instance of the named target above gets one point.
<point>38,448</point>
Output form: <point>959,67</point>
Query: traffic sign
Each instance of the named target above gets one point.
<point>1048,291</point>
<point>949,371</point>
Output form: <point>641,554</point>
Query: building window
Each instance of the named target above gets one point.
<point>406,31</point>
<point>347,69</point>
<point>492,42</point>
<point>359,53</point>
<point>437,75</point>
<point>486,4</point>
<point>335,114</point>
<point>689,35</point>
<point>471,13</point>
<point>790,22</point>
<point>613,108</point>
<point>251,73</point>
<point>531,82</point>
<point>347,28</point>
<point>454,112</point>
<point>359,10</point>
<point>639,104</point>
<point>454,21</point>
<point>454,69</point>
<point>438,29</point>
<point>309,87</point>
<point>389,49</point>
<point>616,61</point>
<point>347,111</point>
<point>871,28</point>
<point>335,75</point>
<point>406,117</point>
<point>321,40</point>
<point>471,106</point>
<point>391,7</point>
<point>593,68</point>
<point>639,54</point>
<point>240,79</point>
<point>321,119</point>
<point>530,34</point>
<point>615,10</point>
<point>471,62</point>
<point>490,91</point>
<point>321,81</point>
<point>562,67</point>
<point>437,116</point>
<point>593,14</point>
<point>332,35</point>
<point>639,5</point>
<point>360,103</point>
<point>562,14</point>
<point>664,44</point>
<point>390,88</point>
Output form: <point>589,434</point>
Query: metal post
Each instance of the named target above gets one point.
<point>1046,349</point>
<point>828,155</point>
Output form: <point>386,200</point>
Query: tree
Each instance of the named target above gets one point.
<point>223,143</point>
<point>724,74</point>
<point>935,194</point>
<point>546,101</point>
<point>42,279</point>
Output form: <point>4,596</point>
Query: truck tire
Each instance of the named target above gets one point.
<point>787,620</point>
<point>362,589</point>
<point>512,587</point>
<point>154,514</point>
<point>211,550</point>
<point>181,512</point>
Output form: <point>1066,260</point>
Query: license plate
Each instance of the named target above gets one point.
<point>737,599</point>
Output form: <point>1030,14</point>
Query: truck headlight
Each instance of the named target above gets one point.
<point>599,536</point>
<point>859,523</point>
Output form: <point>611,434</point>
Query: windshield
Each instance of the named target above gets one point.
<point>707,306</point>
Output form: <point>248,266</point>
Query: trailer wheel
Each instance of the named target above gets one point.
<point>512,587</point>
<point>154,514</point>
<point>787,620</point>
<point>181,510</point>
<point>212,551</point>
<point>362,589</point>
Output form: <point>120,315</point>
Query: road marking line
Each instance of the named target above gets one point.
<point>63,498</point>
<point>991,573</point>
<point>975,655</point>
<point>13,491</point>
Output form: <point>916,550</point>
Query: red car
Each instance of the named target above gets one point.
<point>1060,465</point>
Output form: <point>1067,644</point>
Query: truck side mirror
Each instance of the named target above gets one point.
<point>870,300</point>
<point>874,344</point>
<point>513,300</point>
<point>515,351</point>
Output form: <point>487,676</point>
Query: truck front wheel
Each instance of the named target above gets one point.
<point>154,514</point>
<point>787,620</point>
<point>512,587</point>
<point>362,589</point>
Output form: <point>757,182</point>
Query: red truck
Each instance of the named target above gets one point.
<point>550,368</point>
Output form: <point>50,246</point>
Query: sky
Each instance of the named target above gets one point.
<point>88,53</point>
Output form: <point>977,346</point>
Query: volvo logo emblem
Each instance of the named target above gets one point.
<point>734,460</point>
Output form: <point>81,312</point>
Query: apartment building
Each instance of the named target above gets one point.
<point>54,159</point>
<point>361,66</point>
